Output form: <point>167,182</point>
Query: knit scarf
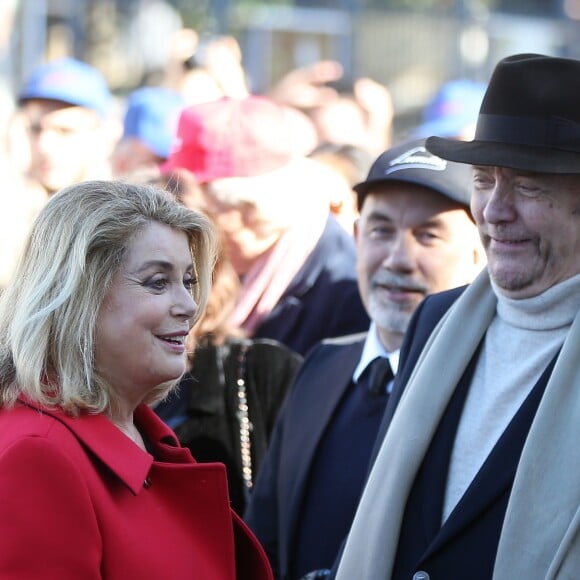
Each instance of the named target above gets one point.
<point>271,275</point>
<point>540,537</point>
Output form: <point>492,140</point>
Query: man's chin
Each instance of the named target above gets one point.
<point>51,182</point>
<point>390,318</point>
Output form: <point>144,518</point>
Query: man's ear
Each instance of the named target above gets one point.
<point>355,229</point>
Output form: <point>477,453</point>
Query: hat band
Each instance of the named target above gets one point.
<point>552,133</point>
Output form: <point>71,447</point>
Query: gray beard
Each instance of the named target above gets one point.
<point>389,317</point>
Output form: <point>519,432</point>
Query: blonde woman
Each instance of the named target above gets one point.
<point>92,330</point>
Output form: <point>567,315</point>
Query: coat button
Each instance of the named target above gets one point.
<point>147,483</point>
<point>421,575</point>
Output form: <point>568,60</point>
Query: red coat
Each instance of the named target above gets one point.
<point>78,499</point>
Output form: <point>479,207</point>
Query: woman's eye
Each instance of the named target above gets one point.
<point>158,283</point>
<point>190,283</point>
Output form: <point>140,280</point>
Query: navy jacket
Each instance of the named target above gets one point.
<point>322,301</point>
<point>276,501</point>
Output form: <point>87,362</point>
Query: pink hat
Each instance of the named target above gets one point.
<point>235,138</point>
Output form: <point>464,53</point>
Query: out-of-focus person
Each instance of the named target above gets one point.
<point>357,113</point>
<point>21,199</point>
<point>415,236</point>
<point>453,110</point>
<point>296,263</point>
<point>352,163</point>
<point>92,331</point>
<point>149,128</point>
<point>207,68</point>
<point>67,113</point>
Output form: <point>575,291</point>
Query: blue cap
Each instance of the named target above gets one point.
<point>454,108</point>
<point>152,115</point>
<point>70,81</point>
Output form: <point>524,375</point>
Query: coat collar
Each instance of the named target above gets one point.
<point>102,438</point>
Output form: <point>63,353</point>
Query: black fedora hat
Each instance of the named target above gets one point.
<point>529,118</point>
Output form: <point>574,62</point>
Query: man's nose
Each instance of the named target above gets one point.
<point>401,255</point>
<point>499,206</point>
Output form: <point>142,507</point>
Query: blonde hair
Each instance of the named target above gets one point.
<point>214,324</point>
<point>48,313</point>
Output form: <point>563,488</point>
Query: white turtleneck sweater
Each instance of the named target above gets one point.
<point>520,342</point>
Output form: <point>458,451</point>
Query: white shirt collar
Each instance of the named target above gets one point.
<point>372,349</point>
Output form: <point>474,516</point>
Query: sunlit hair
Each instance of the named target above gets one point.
<point>214,325</point>
<point>48,313</point>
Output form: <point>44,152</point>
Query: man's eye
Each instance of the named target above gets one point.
<point>64,131</point>
<point>426,236</point>
<point>382,230</point>
<point>482,182</point>
<point>36,129</point>
<point>528,190</point>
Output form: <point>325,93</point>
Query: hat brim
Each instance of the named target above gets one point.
<point>510,155</point>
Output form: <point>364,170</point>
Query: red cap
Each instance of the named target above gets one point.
<point>235,138</point>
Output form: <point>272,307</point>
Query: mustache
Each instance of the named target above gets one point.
<point>398,281</point>
<point>503,232</point>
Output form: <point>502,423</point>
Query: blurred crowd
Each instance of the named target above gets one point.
<point>67,126</point>
<point>327,248</point>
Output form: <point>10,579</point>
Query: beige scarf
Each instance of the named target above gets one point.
<point>540,538</point>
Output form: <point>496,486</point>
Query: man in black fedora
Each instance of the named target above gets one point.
<point>478,473</point>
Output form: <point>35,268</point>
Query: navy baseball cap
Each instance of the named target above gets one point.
<point>69,81</point>
<point>151,116</point>
<point>410,162</point>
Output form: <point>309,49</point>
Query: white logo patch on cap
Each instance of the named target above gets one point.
<point>416,158</point>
